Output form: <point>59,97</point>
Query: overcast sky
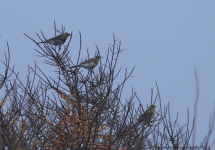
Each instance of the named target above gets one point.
<point>165,40</point>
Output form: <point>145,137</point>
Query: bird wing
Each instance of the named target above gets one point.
<point>89,64</point>
<point>146,112</point>
<point>88,61</point>
<point>144,116</point>
<point>57,37</point>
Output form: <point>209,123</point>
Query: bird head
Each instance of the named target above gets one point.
<point>152,107</point>
<point>98,57</point>
<point>65,34</point>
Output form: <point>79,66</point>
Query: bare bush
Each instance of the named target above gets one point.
<point>79,110</point>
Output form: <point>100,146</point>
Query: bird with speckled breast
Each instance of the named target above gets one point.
<point>148,115</point>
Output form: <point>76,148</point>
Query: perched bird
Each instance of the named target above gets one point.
<point>148,115</point>
<point>57,40</point>
<point>90,63</point>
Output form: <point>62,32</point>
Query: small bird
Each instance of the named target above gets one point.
<point>148,115</point>
<point>57,40</point>
<point>90,63</point>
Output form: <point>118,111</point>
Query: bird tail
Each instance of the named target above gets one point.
<point>74,66</point>
<point>40,42</point>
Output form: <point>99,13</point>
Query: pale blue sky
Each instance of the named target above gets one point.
<point>165,40</point>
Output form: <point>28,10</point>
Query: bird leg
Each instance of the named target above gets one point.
<point>59,47</point>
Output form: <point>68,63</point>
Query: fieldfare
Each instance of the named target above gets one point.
<point>57,40</point>
<point>90,63</point>
<point>148,115</point>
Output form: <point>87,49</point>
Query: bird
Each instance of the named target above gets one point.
<point>90,63</point>
<point>148,115</point>
<point>57,40</point>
